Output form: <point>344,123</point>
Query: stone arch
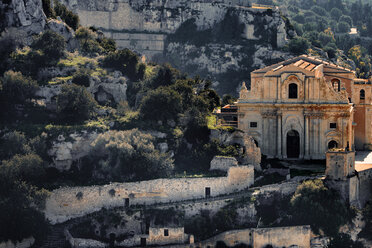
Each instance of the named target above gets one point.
<point>291,80</point>
<point>332,144</point>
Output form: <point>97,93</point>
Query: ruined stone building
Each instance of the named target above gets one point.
<point>301,107</point>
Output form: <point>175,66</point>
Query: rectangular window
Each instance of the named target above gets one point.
<point>333,125</point>
<point>253,124</point>
<point>166,232</point>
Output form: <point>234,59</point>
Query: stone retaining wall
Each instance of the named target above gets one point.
<point>67,203</point>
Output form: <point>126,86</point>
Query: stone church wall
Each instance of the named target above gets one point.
<point>66,203</point>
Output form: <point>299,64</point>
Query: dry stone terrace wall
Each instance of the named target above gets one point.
<point>67,203</point>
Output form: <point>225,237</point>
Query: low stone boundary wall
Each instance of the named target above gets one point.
<point>25,243</point>
<point>67,203</point>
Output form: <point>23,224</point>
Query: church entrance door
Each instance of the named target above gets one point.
<point>293,144</point>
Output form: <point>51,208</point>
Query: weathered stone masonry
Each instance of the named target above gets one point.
<point>66,203</point>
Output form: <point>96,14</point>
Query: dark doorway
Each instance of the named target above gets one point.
<point>293,144</point>
<point>207,192</point>
<point>126,202</point>
<point>332,145</point>
<point>143,242</point>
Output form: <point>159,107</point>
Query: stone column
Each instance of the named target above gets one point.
<point>279,136</point>
<point>307,136</point>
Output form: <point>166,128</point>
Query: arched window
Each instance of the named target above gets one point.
<point>336,84</point>
<point>362,95</point>
<point>292,91</point>
<point>332,144</point>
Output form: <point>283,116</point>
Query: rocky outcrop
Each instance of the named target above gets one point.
<point>106,89</point>
<point>65,151</point>
<point>151,27</point>
<point>112,88</point>
<point>25,15</point>
<point>223,163</point>
<point>226,65</point>
<point>251,153</point>
<point>67,33</point>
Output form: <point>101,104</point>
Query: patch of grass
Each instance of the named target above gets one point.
<point>74,60</point>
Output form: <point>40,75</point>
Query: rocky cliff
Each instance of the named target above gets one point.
<point>217,39</point>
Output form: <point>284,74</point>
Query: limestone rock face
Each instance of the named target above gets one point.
<point>25,15</point>
<point>64,152</point>
<point>223,163</point>
<point>226,63</point>
<point>63,29</point>
<point>48,95</point>
<point>110,88</point>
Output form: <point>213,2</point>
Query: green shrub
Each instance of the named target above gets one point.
<point>310,207</point>
<point>47,8</point>
<point>130,154</point>
<point>81,77</point>
<point>298,45</point>
<point>75,103</point>
<point>343,27</point>
<point>29,168</point>
<point>52,46</point>
<point>66,15</point>
<point>161,104</point>
<point>16,88</point>
<point>13,143</point>
<point>20,209</point>
<point>343,240</point>
<point>125,61</point>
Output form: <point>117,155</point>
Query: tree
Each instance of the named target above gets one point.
<point>88,41</point>
<point>29,168</point>
<point>51,44</point>
<point>347,19</point>
<point>311,204</point>
<point>228,99</point>
<point>336,13</point>
<point>17,89</point>
<point>319,10</point>
<point>343,27</point>
<point>20,209</point>
<point>167,75</point>
<point>75,103</point>
<point>13,143</point>
<point>161,104</point>
<point>298,45</point>
<point>125,61</point>
<point>130,154</point>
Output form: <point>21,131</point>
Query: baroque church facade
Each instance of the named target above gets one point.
<point>302,107</point>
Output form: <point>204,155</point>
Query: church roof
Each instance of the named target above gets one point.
<point>307,63</point>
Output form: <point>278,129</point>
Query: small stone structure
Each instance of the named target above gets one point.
<point>223,163</point>
<point>354,186</point>
<point>63,204</point>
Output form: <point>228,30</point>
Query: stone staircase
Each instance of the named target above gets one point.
<point>54,239</point>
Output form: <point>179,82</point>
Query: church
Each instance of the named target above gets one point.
<point>302,107</point>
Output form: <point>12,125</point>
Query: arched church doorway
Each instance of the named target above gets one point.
<point>293,144</point>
